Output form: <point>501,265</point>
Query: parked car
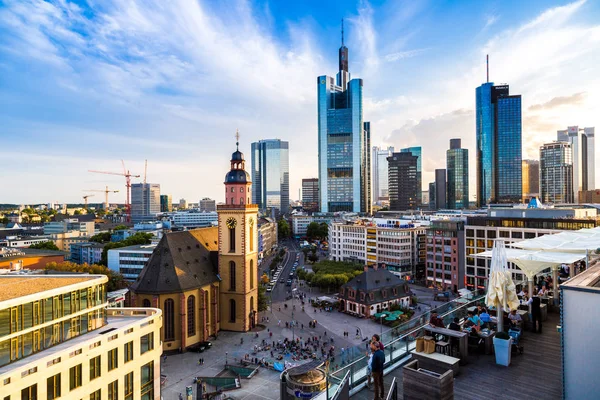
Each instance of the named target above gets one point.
<point>289,282</point>
<point>200,347</point>
<point>269,288</point>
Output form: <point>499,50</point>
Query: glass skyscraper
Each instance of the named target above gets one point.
<point>344,142</point>
<point>271,175</point>
<point>457,169</point>
<point>498,133</point>
<point>556,172</point>
<point>380,172</point>
<point>145,201</point>
<point>416,151</point>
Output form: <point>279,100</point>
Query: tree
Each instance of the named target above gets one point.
<point>103,237</point>
<point>115,280</point>
<point>312,230</point>
<point>264,279</point>
<point>44,246</point>
<point>77,212</point>
<point>283,229</point>
<point>120,228</point>
<point>323,230</point>
<point>313,257</point>
<point>262,299</point>
<point>137,239</point>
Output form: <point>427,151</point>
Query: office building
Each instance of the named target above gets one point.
<point>300,222</point>
<point>183,204</point>
<point>440,189</point>
<point>86,252</point>
<point>69,225</point>
<point>59,339</point>
<point>498,153</point>
<point>432,196</point>
<point>310,194</point>
<point>14,259</point>
<point>457,167</point>
<point>531,179</point>
<point>582,143</point>
<point>129,261</point>
<point>344,142</point>
<point>207,205</point>
<point>589,196</point>
<point>271,175</point>
<point>556,170</point>
<point>416,151</point>
<point>267,236</point>
<point>402,181</point>
<point>514,224</point>
<point>192,218</point>
<point>380,173</point>
<point>446,254</point>
<point>145,201</point>
<point>166,203</point>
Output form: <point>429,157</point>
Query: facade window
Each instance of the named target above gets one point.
<point>29,393</point>
<point>113,359</point>
<point>146,303</point>
<point>113,390</point>
<point>147,378</point>
<point>169,320</point>
<point>53,387</point>
<point>251,274</point>
<point>128,351</point>
<point>97,395</point>
<point>231,275</point>
<point>128,386</point>
<point>147,342</point>
<point>232,238</point>
<point>95,367</point>
<point>251,237</point>
<point>231,310</point>
<point>191,316</point>
<point>75,377</point>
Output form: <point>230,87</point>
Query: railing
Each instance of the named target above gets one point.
<point>398,343</point>
<point>393,393</point>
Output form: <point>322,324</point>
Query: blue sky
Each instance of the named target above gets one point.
<point>86,84</point>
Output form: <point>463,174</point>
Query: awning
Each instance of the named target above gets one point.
<point>579,241</point>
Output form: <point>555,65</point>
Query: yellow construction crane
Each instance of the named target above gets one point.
<point>106,192</point>
<point>85,199</point>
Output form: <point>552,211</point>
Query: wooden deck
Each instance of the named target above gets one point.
<point>536,374</point>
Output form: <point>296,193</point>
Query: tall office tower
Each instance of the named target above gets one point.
<point>310,194</point>
<point>271,175</point>
<point>145,201</point>
<point>207,204</point>
<point>498,155</point>
<point>166,203</point>
<point>457,165</point>
<point>584,165</point>
<point>366,181</point>
<point>432,195</point>
<point>556,170</point>
<point>531,179</point>
<point>440,189</point>
<point>416,151</point>
<point>343,138</point>
<point>380,172</point>
<point>402,180</point>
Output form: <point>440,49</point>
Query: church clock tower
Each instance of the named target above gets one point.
<point>238,250</point>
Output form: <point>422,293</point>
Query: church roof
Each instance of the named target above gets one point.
<point>374,281</point>
<point>181,261</point>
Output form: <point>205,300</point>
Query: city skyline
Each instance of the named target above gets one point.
<point>104,83</point>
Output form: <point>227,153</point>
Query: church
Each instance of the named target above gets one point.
<point>205,280</point>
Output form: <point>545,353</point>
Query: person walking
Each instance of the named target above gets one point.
<point>377,369</point>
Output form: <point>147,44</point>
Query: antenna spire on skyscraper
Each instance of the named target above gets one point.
<point>487,68</point>
<point>342,32</point>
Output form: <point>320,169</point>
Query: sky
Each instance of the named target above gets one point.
<point>86,84</point>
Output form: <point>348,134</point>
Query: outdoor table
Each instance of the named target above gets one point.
<point>463,344</point>
<point>488,340</point>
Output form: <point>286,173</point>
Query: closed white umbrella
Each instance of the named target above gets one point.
<point>501,292</point>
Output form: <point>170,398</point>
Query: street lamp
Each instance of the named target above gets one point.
<point>381,323</point>
<point>225,358</point>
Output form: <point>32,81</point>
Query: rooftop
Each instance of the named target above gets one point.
<point>137,247</point>
<point>589,279</point>
<point>12,287</point>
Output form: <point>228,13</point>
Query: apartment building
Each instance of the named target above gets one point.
<point>446,254</point>
<point>59,339</point>
<point>129,261</point>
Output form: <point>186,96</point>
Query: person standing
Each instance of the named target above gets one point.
<point>377,369</point>
<point>536,313</point>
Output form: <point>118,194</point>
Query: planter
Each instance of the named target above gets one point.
<point>502,348</point>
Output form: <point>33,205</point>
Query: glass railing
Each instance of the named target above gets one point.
<point>398,342</point>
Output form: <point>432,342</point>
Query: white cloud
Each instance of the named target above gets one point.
<point>400,55</point>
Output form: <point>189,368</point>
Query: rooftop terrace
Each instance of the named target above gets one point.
<point>12,287</point>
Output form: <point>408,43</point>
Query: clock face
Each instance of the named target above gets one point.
<point>231,223</point>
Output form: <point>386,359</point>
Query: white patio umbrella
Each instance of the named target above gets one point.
<point>501,292</point>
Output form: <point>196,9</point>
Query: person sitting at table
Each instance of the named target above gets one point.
<point>485,318</point>
<point>436,321</point>
<point>481,309</point>
<point>515,319</point>
<point>455,325</point>
<point>474,319</point>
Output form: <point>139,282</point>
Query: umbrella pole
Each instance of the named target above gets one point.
<point>530,288</point>
<point>499,317</point>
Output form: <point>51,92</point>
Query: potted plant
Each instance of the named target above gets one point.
<point>502,348</point>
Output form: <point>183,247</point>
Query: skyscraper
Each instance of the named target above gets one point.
<point>145,201</point>
<point>402,180</point>
<point>556,170</point>
<point>498,134</point>
<point>457,166</point>
<point>310,194</point>
<point>584,164</point>
<point>380,172</point>
<point>271,175</point>
<point>166,203</point>
<point>207,204</point>
<point>343,137</point>
<point>416,151</point>
<point>440,189</point>
<point>531,179</point>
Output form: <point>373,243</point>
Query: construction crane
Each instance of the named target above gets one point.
<point>85,199</point>
<point>128,175</point>
<point>106,192</point>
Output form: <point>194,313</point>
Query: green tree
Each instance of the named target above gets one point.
<point>115,280</point>
<point>120,228</point>
<point>77,212</point>
<point>4,220</point>
<point>323,231</point>
<point>283,229</point>
<point>137,239</point>
<point>44,246</point>
<point>103,237</point>
<point>312,230</point>
<point>262,298</point>
<point>313,257</point>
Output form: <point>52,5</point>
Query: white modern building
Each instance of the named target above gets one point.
<point>583,145</point>
<point>67,225</point>
<point>193,218</point>
<point>59,339</point>
<point>129,261</point>
<point>300,222</point>
<point>380,173</point>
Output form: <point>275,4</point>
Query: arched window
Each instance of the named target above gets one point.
<point>241,200</point>
<point>146,303</point>
<point>241,190</point>
<point>191,314</point>
<point>232,237</point>
<point>232,275</point>
<point>251,303</point>
<point>251,237</point>
<point>231,310</point>
<point>251,274</point>
<point>169,320</point>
